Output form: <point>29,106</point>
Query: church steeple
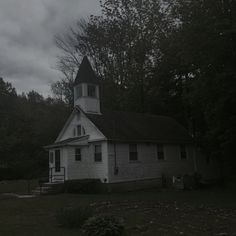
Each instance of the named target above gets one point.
<point>86,88</point>
<point>85,73</point>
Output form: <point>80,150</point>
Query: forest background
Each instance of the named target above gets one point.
<point>175,58</point>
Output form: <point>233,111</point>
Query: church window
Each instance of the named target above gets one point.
<point>160,152</point>
<point>79,91</point>
<point>133,152</point>
<point>79,130</point>
<point>183,153</point>
<point>51,157</point>
<point>57,161</point>
<point>79,133</point>
<point>91,90</point>
<point>97,153</point>
<point>78,154</point>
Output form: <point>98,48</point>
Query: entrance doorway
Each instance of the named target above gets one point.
<point>57,161</point>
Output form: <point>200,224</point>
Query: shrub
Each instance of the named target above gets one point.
<point>73,217</point>
<point>83,186</point>
<point>103,226</point>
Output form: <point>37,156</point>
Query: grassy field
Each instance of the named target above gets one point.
<point>153,212</point>
<point>18,186</point>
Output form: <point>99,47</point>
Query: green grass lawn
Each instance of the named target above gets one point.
<point>18,186</point>
<point>153,212</point>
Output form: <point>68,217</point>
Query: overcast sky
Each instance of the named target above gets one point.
<point>27,29</point>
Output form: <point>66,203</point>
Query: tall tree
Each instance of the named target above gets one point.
<point>123,45</point>
<point>170,57</point>
<point>27,123</point>
<point>204,45</point>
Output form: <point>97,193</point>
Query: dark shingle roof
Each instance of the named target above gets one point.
<point>138,127</point>
<point>85,73</point>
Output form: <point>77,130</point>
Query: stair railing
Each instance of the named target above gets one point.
<point>52,173</point>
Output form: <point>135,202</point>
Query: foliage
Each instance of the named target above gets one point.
<point>83,186</point>
<point>166,57</point>
<point>27,123</point>
<point>204,65</point>
<point>6,89</point>
<point>103,225</point>
<point>73,217</point>
<point>123,46</point>
<point>18,186</point>
<point>63,90</point>
<point>34,216</point>
<point>24,169</point>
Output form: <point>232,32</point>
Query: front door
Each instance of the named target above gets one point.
<point>57,161</point>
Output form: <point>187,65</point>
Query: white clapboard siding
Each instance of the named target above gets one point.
<point>80,118</point>
<point>148,166</point>
<point>87,167</point>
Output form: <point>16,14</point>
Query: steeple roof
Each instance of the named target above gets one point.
<point>86,73</point>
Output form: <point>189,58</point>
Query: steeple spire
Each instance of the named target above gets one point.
<point>86,73</point>
<point>86,88</point>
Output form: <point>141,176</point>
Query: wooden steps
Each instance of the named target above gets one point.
<point>49,188</point>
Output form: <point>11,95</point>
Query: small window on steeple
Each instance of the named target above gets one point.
<point>91,90</point>
<point>79,91</point>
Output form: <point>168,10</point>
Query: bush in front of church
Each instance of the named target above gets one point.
<point>103,225</point>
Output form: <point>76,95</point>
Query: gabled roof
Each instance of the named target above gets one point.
<point>85,73</point>
<point>138,127</point>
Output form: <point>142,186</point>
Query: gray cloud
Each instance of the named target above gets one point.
<point>27,29</point>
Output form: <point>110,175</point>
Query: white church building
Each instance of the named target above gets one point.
<point>119,147</point>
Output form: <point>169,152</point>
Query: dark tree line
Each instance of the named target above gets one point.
<point>175,57</point>
<point>27,123</point>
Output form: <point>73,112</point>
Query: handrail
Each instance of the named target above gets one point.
<point>51,175</point>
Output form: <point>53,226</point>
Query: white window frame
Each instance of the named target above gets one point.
<point>78,154</point>
<point>79,127</point>
<point>133,151</point>
<point>97,155</point>
<point>183,149</point>
<point>74,132</point>
<point>79,91</point>
<point>162,151</point>
<point>51,157</point>
<point>95,90</point>
<point>81,133</point>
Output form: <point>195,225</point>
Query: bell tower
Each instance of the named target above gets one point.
<point>86,89</point>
